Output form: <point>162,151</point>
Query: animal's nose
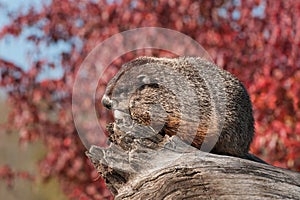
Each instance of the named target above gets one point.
<point>106,102</point>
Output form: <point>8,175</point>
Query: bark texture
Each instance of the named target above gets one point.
<point>166,168</point>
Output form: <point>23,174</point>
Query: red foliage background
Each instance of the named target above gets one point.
<point>257,40</point>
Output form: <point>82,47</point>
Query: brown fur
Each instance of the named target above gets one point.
<point>238,127</point>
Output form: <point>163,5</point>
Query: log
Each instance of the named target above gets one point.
<point>166,168</point>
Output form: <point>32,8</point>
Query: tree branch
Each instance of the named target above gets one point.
<point>172,169</point>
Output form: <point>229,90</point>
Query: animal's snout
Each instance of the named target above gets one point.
<point>106,102</point>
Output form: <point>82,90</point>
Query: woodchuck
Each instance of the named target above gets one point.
<point>204,105</point>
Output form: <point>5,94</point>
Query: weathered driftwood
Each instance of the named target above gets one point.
<point>166,168</point>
